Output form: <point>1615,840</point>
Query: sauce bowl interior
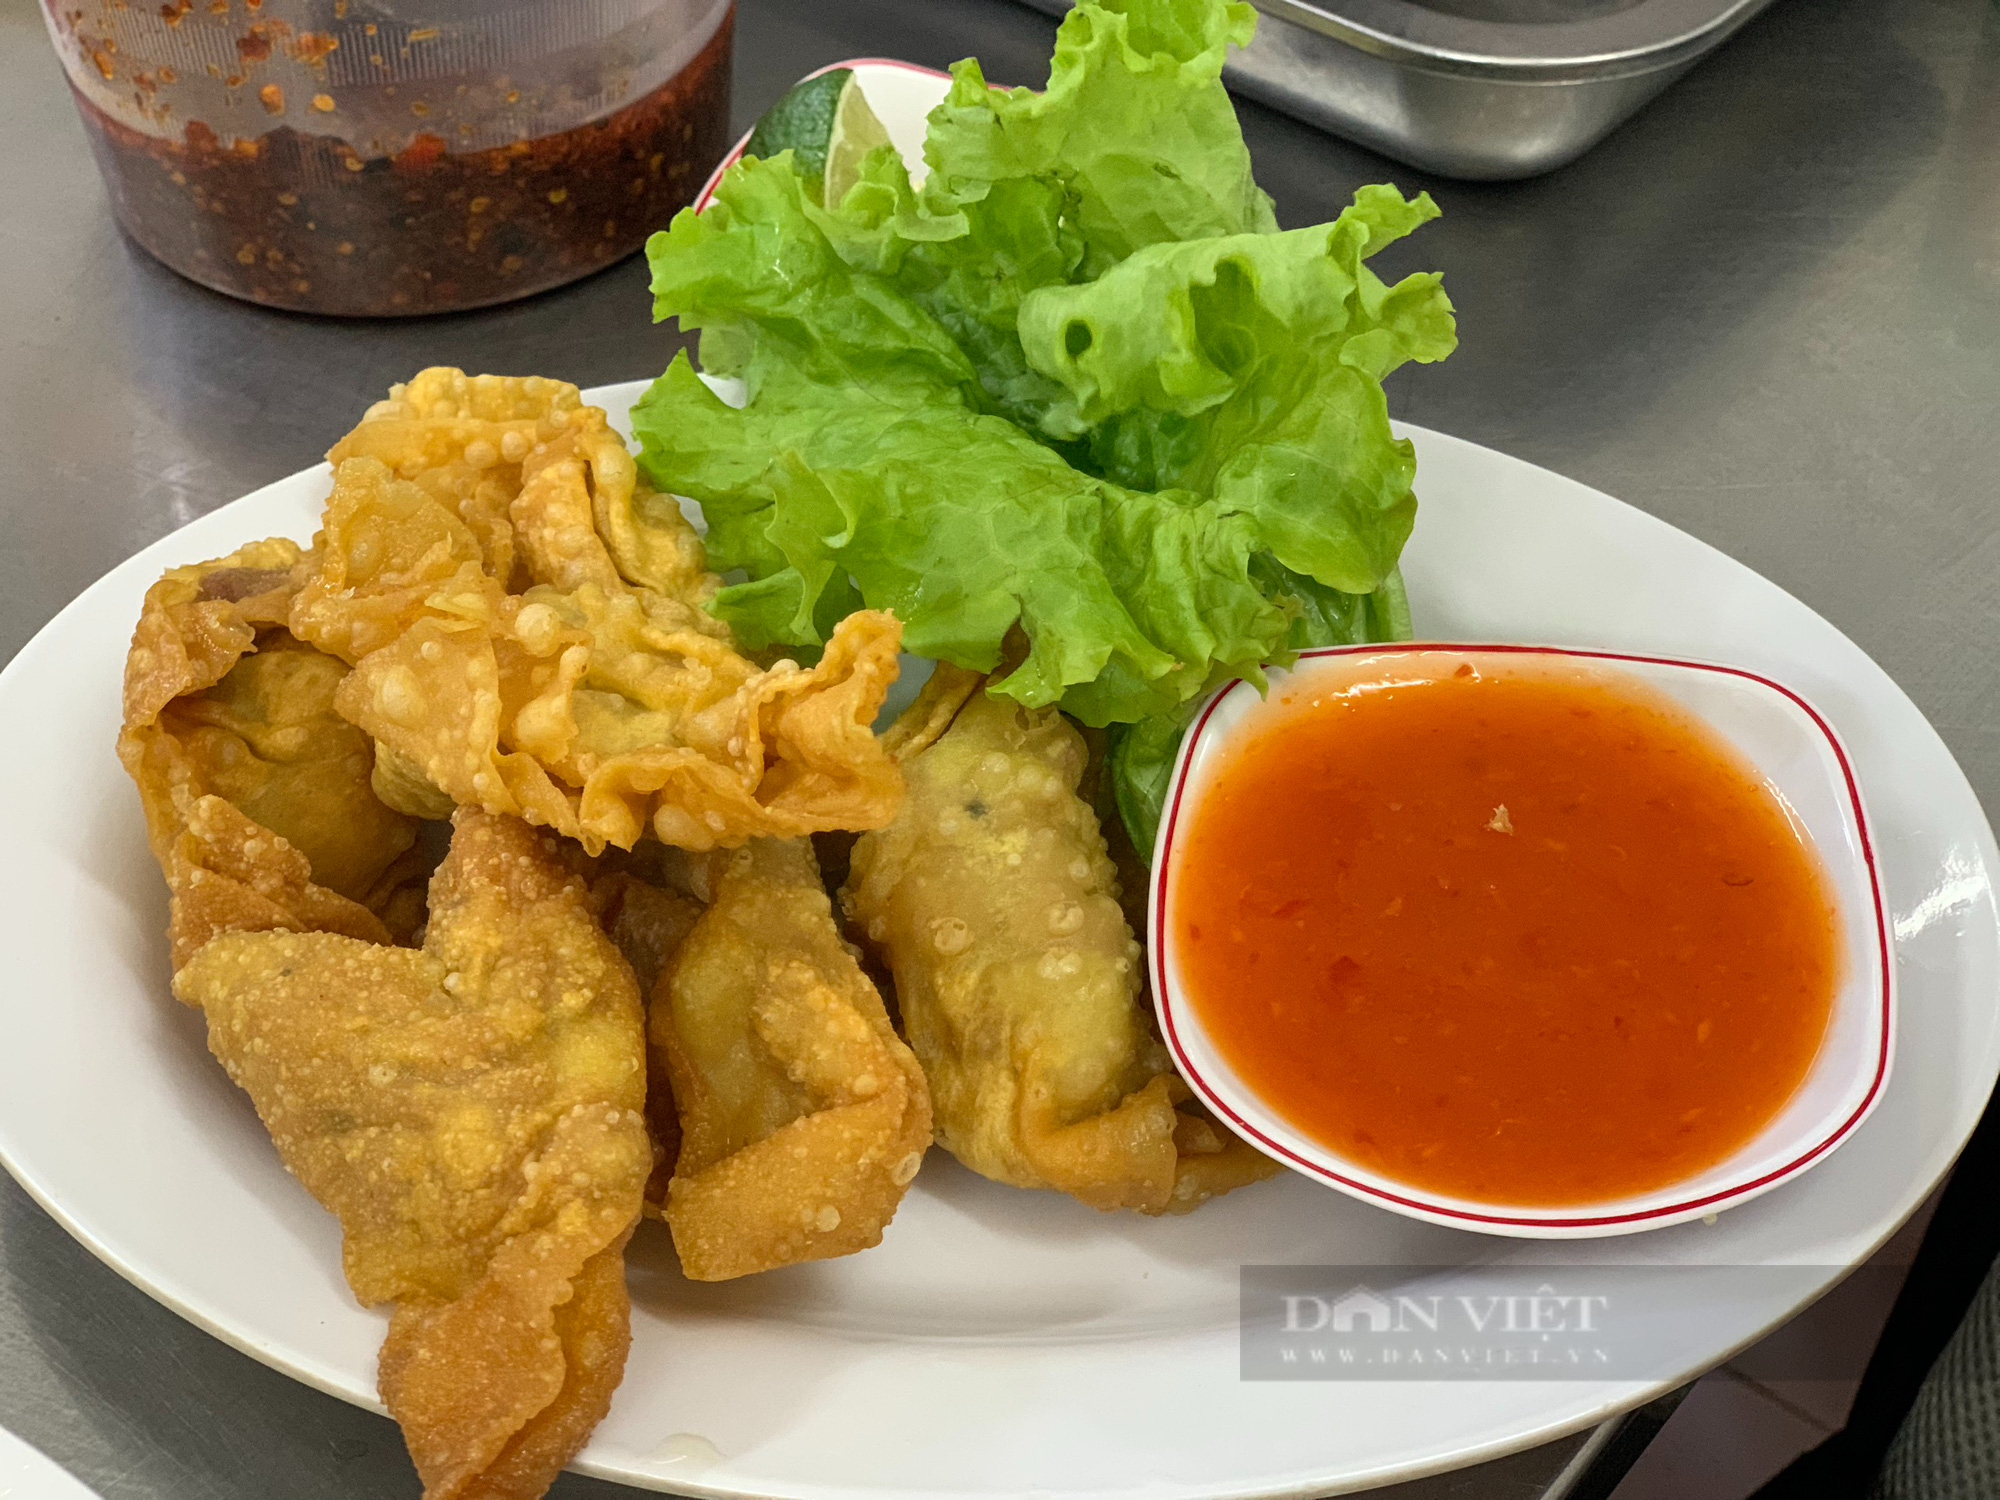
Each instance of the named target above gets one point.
<point>1781,737</point>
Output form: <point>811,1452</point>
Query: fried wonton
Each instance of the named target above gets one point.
<point>471,1111</point>
<point>582,686</point>
<point>647,921</point>
<point>994,904</point>
<point>803,1117</point>
<point>257,793</point>
<point>648,918</point>
<point>463,439</point>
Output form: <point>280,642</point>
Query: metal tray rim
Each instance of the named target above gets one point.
<point>1651,35</point>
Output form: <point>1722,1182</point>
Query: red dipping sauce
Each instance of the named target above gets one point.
<point>1536,937</point>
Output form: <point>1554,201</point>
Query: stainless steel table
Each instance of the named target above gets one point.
<point>1767,310</point>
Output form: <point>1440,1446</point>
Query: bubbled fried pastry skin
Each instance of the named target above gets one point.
<point>576,509</point>
<point>471,1111</point>
<point>525,625</point>
<point>993,902</point>
<point>257,793</point>
<point>648,921</point>
<point>462,439</point>
<point>803,1117</point>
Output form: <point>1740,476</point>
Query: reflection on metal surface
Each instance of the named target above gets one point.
<point>1474,88</point>
<point>1528,11</point>
<point>26,1474</point>
<point>1558,41</point>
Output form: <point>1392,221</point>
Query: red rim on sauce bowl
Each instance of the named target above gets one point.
<point>1776,737</point>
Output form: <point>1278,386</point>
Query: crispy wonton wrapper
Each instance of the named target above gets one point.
<point>803,1117</point>
<point>648,916</point>
<point>995,906</point>
<point>257,793</point>
<point>549,657</point>
<point>472,1113</point>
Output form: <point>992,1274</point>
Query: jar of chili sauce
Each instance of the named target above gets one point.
<point>383,158</point>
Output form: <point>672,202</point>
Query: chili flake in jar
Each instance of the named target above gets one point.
<point>305,216</point>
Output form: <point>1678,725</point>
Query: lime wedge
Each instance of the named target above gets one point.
<point>826,124</point>
<point>856,132</point>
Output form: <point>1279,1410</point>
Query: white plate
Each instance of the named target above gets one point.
<point>1791,748</point>
<point>26,1475</point>
<point>998,1343</point>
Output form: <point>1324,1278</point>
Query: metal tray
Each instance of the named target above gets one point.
<point>1474,88</point>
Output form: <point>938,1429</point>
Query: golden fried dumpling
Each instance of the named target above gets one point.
<point>257,793</point>
<point>462,439</point>
<point>994,904</point>
<point>388,554</point>
<point>267,739</point>
<point>537,479</point>
<point>803,1118</point>
<point>584,516</point>
<point>471,1111</point>
<point>648,921</point>
<point>602,701</point>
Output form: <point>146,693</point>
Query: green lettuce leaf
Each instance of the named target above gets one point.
<point>1134,125</point>
<point>1141,756</point>
<point>1075,402</point>
<point>969,262</point>
<point>1249,368</point>
<point>1133,142</point>
<point>866,465</point>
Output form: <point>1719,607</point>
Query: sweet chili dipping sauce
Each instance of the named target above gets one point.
<point>1526,937</point>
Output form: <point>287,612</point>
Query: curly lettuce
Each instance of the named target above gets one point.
<point>1075,405</point>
